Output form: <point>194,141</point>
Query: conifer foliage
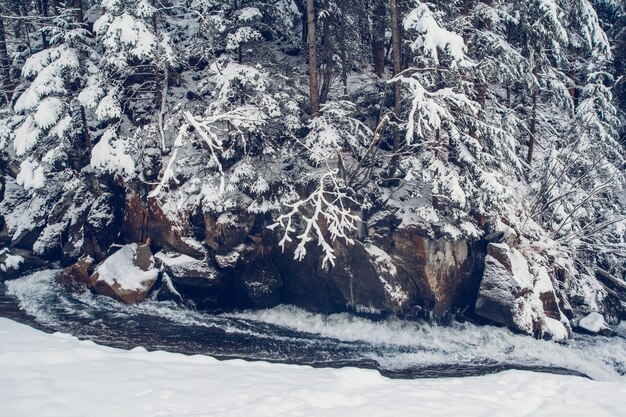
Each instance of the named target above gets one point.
<point>466,118</point>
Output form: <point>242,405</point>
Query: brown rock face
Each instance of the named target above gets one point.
<point>143,220</point>
<point>260,284</point>
<point>228,230</point>
<point>407,272</point>
<point>443,270</point>
<point>77,274</point>
<point>550,305</point>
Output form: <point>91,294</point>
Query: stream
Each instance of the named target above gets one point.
<point>286,334</point>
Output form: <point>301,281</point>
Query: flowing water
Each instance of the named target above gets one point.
<point>397,348</point>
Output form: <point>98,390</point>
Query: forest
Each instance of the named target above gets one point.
<point>424,158</point>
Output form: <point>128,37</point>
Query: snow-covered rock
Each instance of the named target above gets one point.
<point>194,280</point>
<point>16,262</point>
<point>511,295</point>
<point>593,323</point>
<point>127,275</point>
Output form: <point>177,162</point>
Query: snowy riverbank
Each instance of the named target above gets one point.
<point>57,375</point>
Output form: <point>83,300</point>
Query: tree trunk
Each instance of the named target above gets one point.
<point>327,61</point>
<point>378,37</point>
<point>5,64</point>
<point>397,68</point>
<point>311,40</point>
<point>43,9</point>
<point>80,16</point>
<point>533,117</point>
<point>481,93</point>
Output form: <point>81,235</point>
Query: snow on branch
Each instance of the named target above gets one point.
<point>430,109</point>
<point>208,132</point>
<point>433,38</point>
<point>328,207</point>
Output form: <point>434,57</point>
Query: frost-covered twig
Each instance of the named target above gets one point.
<point>328,206</point>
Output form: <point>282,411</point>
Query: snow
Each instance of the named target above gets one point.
<point>109,106</point>
<point>31,175</point>
<point>119,268</point>
<point>48,112</point>
<point>544,283</point>
<point>432,36</point>
<point>249,13</point>
<point>593,322</point>
<point>179,263</point>
<point>110,155</point>
<point>26,136</point>
<point>128,31</point>
<point>241,36</point>
<point>556,329</point>
<point>12,262</point>
<point>519,267</point>
<point>383,261</point>
<point>57,375</point>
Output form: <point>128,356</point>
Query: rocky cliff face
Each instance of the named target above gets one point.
<point>233,261</point>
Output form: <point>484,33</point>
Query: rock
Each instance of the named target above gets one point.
<point>593,323</point>
<point>305,284</point>
<point>503,234</point>
<point>369,280</point>
<point>544,288</point>
<point>228,230</point>
<point>144,218</point>
<point>506,294</point>
<point>519,297</point>
<point>167,291</point>
<point>102,226</point>
<point>195,280</point>
<point>555,330</point>
<point>259,284</point>
<point>231,259</point>
<point>77,274</point>
<point>127,275</point>
<point>17,262</point>
<point>444,270</point>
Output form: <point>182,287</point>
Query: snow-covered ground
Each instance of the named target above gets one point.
<point>57,375</point>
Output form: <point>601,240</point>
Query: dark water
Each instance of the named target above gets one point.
<point>397,348</point>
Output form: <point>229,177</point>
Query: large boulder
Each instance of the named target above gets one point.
<point>196,281</point>
<point>127,275</point>
<point>593,323</point>
<point>306,284</point>
<point>228,230</point>
<point>369,280</point>
<point>513,296</point>
<point>78,274</point>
